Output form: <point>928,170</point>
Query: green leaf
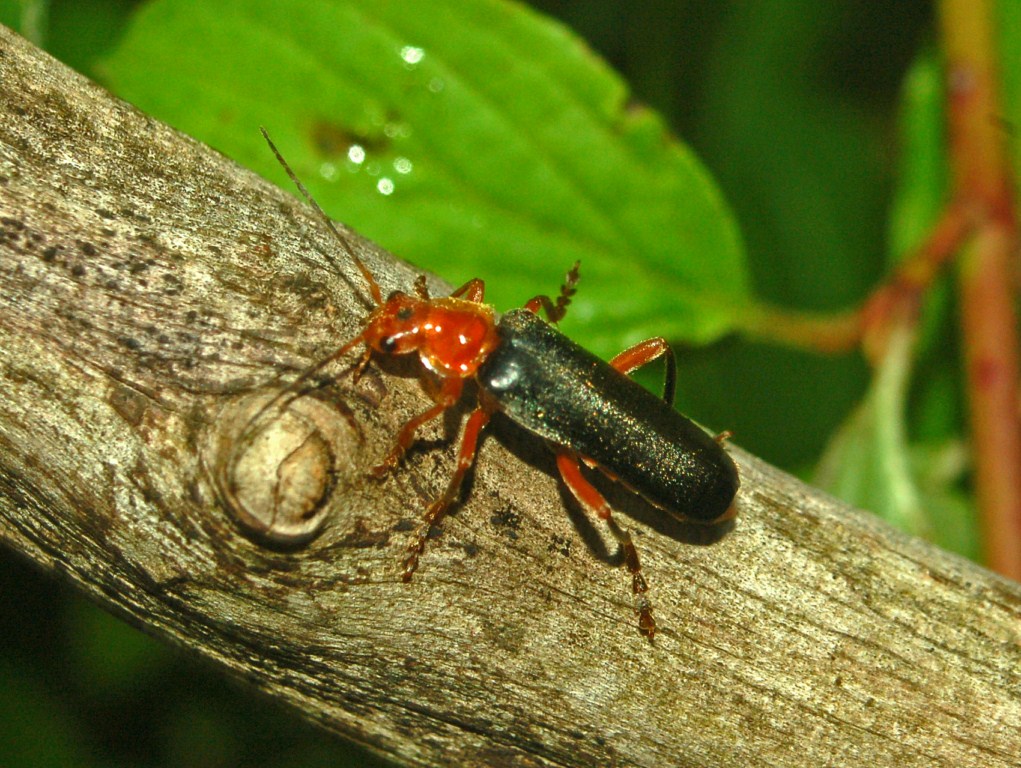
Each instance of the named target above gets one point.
<point>871,461</point>
<point>866,462</point>
<point>920,196</point>
<point>870,464</point>
<point>474,138</point>
<point>939,470</point>
<point>26,17</point>
<point>922,172</point>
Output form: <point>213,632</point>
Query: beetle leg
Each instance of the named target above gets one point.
<point>447,395</point>
<point>421,289</point>
<point>555,311</point>
<point>592,500</point>
<point>361,365</point>
<point>645,352</point>
<point>474,290</point>
<point>436,510</point>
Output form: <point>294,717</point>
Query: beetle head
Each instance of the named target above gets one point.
<point>394,328</point>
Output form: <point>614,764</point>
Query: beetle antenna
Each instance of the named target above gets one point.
<point>377,295</point>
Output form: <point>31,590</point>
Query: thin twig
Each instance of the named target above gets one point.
<point>988,273</point>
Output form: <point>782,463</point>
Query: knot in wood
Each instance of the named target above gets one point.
<point>277,464</point>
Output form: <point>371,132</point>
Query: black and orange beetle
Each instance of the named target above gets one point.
<point>586,409</point>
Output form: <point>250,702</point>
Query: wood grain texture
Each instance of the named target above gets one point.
<point>151,288</point>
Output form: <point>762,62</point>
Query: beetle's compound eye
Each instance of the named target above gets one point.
<point>405,313</point>
<point>388,344</point>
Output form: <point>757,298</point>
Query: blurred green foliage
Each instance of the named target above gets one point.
<point>816,125</point>
<point>472,138</point>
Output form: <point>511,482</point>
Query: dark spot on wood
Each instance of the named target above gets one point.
<point>87,248</point>
<point>105,214</point>
<point>195,493</point>
<point>173,286</point>
<point>78,270</point>
<point>130,343</point>
<point>51,253</point>
<point>128,213</point>
<point>152,496</point>
<point>363,537</point>
<point>507,519</point>
<point>560,545</point>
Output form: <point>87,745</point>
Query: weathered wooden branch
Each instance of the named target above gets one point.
<point>152,294</point>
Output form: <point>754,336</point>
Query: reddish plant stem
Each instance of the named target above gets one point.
<point>898,300</point>
<point>893,302</point>
<point>987,278</point>
<point>981,220</point>
<point>824,332</point>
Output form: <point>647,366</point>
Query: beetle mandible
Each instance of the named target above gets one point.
<point>589,411</point>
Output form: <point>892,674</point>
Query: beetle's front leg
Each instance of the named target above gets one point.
<point>592,500</point>
<point>474,290</point>
<point>448,394</point>
<point>436,510</point>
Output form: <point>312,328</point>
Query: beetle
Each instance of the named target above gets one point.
<point>588,410</point>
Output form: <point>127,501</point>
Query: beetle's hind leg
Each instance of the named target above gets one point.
<point>555,311</point>
<point>465,458</point>
<point>592,500</point>
<point>643,353</point>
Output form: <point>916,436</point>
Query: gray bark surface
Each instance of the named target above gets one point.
<point>153,294</point>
